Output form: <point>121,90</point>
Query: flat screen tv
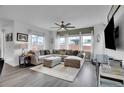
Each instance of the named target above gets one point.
<point>109,35</point>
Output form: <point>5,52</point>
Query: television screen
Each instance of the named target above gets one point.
<point>109,35</point>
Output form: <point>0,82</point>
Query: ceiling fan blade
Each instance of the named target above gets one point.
<point>66,29</point>
<point>59,29</point>
<point>54,27</point>
<point>57,24</point>
<point>70,26</point>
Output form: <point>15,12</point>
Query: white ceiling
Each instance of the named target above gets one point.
<point>46,15</point>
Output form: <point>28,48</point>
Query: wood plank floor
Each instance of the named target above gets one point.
<point>24,77</point>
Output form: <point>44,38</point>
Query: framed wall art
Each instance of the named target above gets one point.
<point>9,37</point>
<point>22,37</point>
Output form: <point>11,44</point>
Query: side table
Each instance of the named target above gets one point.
<point>22,61</point>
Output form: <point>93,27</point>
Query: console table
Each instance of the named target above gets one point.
<point>115,73</point>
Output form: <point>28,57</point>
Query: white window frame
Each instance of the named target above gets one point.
<point>81,39</point>
<point>37,40</point>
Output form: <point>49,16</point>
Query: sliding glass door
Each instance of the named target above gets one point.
<point>62,43</point>
<point>86,43</point>
<point>80,42</point>
<point>74,43</point>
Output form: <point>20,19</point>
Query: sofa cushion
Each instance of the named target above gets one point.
<point>45,53</point>
<point>63,52</point>
<point>75,52</point>
<point>43,56</point>
<point>41,52</point>
<point>69,52</point>
<point>74,58</point>
<point>48,52</point>
<point>54,52</point>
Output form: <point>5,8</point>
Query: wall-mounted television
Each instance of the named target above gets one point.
<point>110,35</point>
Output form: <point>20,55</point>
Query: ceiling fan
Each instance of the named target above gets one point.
<point>63,26</point>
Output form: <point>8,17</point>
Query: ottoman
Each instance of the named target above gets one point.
<point>51,61</point>
<point>73,61</point>
<point>41,58</point>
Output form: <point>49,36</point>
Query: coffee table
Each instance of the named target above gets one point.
<point>51,61</point>
<point>73,61</point>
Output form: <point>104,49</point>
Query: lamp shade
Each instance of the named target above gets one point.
<point>23,46</point>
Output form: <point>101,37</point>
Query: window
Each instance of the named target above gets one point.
<point>37,42</point>
<point>74,43</point>
<point>62,42</point>
<point>86,43</point>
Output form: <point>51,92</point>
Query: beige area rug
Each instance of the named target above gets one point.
<point>59,71</point>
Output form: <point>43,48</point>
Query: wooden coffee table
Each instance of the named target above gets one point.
<point>73,61</point>
<point>51,61</point>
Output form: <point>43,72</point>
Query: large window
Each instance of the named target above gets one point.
<point>74,43</point>
<point>62,42</point>
<point>86,43</point>
<point>38,42</point>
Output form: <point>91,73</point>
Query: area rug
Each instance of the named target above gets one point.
<point>59,71</point>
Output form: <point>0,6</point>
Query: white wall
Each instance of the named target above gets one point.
<point>8,47</point>
<point>21,27</point>
<point>12,49</point>
<point>52,38</point>
<point>99,48</point>
<point>119,21</point>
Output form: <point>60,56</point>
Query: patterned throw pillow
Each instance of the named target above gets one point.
<point>62,52</point>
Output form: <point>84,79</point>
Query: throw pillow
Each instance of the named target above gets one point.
<point>75,52</point>
<point>41,52</point>
<point>80,55</point>
<point>48,52</point>
<point>45,52</point>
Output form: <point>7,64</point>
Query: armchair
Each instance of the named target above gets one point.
<point>36,58</point>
